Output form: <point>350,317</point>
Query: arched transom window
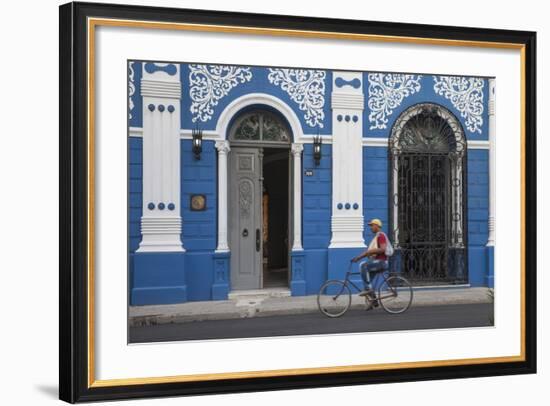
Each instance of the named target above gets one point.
<point>260,126</point>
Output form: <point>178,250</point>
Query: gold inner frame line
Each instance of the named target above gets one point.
<point>94,22</point>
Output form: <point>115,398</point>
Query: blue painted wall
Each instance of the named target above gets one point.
<point>199,227</point>
<point>478,215</point>
<point>375,187</point>
<point>316,213</point>
<point>135,188</point>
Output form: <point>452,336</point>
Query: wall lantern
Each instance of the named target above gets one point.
<point>197,142</point>
<point>317,143</point>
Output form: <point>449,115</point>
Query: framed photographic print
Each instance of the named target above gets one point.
<point>247,201</point>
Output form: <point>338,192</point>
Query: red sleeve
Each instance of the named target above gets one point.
<point>381,239</point>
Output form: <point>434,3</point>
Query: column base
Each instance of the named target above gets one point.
<point>220,288</point>
<point>157,278</point>
<point>298,267</point>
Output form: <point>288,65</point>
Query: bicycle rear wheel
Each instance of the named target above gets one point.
<point>395,294</point>
<point>334,298</point>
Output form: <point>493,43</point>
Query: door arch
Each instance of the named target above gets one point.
<point>428,195</point>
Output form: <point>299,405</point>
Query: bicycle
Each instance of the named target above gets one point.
<point>395,294</point>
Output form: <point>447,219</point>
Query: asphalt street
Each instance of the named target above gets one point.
<point>353,321</point>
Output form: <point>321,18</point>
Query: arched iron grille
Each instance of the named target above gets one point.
<point>428,201</point>
<point>260,126</point>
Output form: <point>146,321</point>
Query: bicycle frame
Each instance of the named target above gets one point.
<point>347,282</point>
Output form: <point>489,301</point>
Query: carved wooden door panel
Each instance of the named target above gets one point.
<point>245,218</point>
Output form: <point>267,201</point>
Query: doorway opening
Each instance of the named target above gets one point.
<point>275,217</point>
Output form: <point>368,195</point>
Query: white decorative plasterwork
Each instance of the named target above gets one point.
<point>210,83</point>
<point>466,95</point>
<point>131,88</point>
<point>386,92</point>
<point>306,87</point>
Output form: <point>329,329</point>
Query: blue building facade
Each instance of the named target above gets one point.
<point>292,164</point>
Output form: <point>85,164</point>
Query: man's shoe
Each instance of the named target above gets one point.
<point>373,301</point>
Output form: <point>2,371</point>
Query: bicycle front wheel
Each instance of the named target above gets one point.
<point>334,298</point>
<point>395,294</point>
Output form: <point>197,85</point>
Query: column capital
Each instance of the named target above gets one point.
<point>297,148</point>
<point>222,146</point>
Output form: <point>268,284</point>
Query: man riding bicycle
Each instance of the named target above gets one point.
<point>377,264</point>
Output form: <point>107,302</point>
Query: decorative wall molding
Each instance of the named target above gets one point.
<point>466,95</point>
<point>258,99</point>
<point>208,84</point>
<point>161,219</point>
<point>161,231</point>
<point>386,92</point>
<point>347,162</point>
<point>347,101</point>
<point>131,89</point>
<point>306,87</point>
<point>340,82</point>
<point>160,88</point>
<point>170,69</point>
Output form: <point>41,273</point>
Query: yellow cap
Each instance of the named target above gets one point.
<point>378,222</point>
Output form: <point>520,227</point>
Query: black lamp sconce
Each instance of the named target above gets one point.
<point>197,142</point>
<point>317,143</point>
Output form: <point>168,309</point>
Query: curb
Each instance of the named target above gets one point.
<point>269,307</point>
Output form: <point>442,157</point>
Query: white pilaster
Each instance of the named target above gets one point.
<point>161,220</point>
<point>492,163</point>
<point>347,160</point>
<point>297,206</point>
<point>223,149</point>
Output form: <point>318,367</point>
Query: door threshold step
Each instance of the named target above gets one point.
<point>258,293</point>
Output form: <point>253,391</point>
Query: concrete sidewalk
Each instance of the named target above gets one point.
<point>277,301</point>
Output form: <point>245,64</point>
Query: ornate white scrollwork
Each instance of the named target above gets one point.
<point>306,87</point>
<point>466,95</point>
<point>131,89</point>
<point>386,92</point>
<point>210,83</point>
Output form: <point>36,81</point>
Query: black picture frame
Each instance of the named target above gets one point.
<point>76,384</point>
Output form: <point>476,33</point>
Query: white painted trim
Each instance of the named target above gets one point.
<point>308,138</point>
<point>160,88</point>
<point>492,163</point>
<point>296,150</point>
<point>223,149</point>
<point>135,132</point>
<point>161,224</point>
<point>478,144</point>
<point>347,224</point>
<point>375,142</point>
<point>212,135</point>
